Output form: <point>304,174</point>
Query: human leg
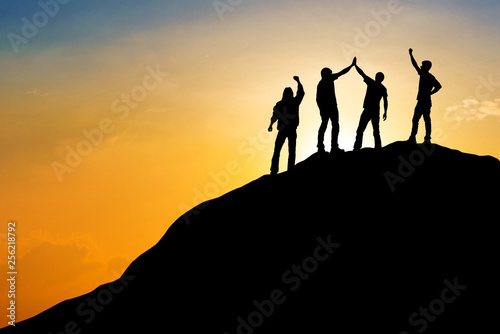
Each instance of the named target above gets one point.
<point>335,129</point>
<point>280,140</point>
<point>321,132</point>
<point>363,122</point>
<point>416,118</point>
<point>428,125</point>
<point>376,128</point>
<point>292,145</point>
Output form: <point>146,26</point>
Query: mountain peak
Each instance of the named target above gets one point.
<point>398,239</point>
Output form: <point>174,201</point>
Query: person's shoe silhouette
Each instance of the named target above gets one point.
<point>337,150</point>
<point>412,140</point>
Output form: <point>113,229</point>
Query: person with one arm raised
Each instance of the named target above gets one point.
<point>327,104</point>
<point>428,86</point>
<point>286,113</point>
<point>374,93</point>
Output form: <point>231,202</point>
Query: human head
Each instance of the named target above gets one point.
<point>287,94</point>
<point>379,77</point>
<point>426,65</point>
<point>326,72</point>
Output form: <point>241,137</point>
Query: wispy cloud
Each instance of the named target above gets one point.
<point>472,110</point>
<point>38,92</point>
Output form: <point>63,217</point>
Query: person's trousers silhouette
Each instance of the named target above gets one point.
<point>332,114</point>
<point>368,115</point>
<point>291,135</point>
<point>423,108</point>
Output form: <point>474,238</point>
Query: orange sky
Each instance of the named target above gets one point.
<point>176,110</point>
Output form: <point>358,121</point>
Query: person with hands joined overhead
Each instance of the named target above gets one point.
<point>374,93</point>
<point>327,104</point>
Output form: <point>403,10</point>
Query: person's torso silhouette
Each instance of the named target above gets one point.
<point>425,86</point>
<point>287,110</point>
<point>325,95</point>
<point>374,93</point>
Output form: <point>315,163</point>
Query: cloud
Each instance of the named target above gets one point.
<point>55,267</point>
<point>472,110</point>
<point>50,260</point>
<point>52,264</point>
<point>38,92</point>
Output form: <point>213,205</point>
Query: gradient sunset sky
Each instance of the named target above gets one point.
<point>119,116</point>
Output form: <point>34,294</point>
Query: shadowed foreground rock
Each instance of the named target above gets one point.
<point>400,240</point>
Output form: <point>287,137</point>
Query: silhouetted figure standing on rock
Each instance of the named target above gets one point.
<point>428,86</point>
<point>327,104</point>
<point>286,112</point>
<point>374,93</point>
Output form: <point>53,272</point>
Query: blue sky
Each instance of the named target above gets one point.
<point>95,20</point>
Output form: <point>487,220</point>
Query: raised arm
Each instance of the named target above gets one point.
<point>347,69</point>
<point>414,62</point>
<point>300,89</point>
<point>360,71</point>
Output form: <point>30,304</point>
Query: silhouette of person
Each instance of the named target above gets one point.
<point>428,86</point>
<point>286,112</point>
<point>374,93</point>
<point>327,104</point>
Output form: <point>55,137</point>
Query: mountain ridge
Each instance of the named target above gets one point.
<point>279,254</point>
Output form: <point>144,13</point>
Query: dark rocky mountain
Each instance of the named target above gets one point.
<point>397,240</point>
